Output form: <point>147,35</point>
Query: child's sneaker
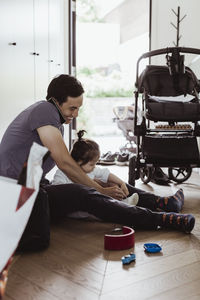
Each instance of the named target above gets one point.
<point>132,200</point>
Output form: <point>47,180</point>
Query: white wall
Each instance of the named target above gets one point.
<point>164,34</point>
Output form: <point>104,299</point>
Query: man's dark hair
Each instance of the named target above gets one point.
<point>64,86</point>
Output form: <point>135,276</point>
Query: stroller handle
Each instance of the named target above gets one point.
<point>169,50</point>
<point>165,51</point>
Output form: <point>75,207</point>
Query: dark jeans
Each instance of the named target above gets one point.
<point>68,198</point>
<point>36,235</point>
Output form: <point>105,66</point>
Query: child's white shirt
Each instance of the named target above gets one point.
<point>98,173</point>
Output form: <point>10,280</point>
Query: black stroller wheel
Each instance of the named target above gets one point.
<point>146,174</point>
<point>179,175</point>
<point>133,173</point>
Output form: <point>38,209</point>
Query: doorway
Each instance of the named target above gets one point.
<point>110,37</point>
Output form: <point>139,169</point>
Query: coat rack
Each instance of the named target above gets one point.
<point>177,27</point>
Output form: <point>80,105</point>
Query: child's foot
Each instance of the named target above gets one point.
<point>172,203</point>
<point>132,200</point>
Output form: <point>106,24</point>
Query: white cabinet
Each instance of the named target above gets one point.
<point>56,38</point>
<point>16,59</point>
<point>31,52</point>
<point>49,43</point>
<point>41,48</point>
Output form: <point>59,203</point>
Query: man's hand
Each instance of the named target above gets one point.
<point>124,189</point>
<point>114,192</point>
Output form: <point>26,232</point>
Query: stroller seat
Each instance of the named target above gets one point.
<point>170,97</point>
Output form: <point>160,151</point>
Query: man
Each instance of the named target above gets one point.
<point>42,123</point>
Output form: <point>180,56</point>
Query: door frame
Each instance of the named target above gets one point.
<point>72,58</point>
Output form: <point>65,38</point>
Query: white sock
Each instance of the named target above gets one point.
<point>132,200</point>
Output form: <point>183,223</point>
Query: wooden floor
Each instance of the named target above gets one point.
<point>76,266</point>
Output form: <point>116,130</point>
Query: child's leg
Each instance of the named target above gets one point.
<point>148,200</point>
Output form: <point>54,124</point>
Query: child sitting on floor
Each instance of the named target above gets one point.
<point>86,153</point>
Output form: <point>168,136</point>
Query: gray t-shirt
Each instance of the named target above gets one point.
<point>20,135</point>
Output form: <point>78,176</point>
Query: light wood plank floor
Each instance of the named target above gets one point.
<point>76,266</point>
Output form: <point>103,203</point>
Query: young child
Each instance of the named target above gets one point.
<point>86,153</point>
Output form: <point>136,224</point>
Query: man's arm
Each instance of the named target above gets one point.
<point>51,138</point>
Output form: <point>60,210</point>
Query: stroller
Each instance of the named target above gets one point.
<point>169,98</point>
<point>124,117</point>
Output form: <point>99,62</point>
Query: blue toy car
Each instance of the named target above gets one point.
<point>127,259</point>
<point>152,248</point>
